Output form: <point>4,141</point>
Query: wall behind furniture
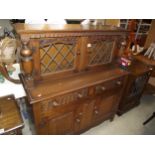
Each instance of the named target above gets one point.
<point>151,35</point>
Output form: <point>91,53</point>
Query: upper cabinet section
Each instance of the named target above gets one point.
<point>66,49</point>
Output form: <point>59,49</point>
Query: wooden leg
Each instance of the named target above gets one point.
<point>19,132</point>
<point>112,118</point>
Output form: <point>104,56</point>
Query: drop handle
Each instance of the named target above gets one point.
<point>123,43</point>
<point>80,113</point>
<point>103,88</point>
<point>80,95</point>
<point>119,83</point>
<point>96,112</point>
<point>78,120</point>
<point>55,103</point>
<point>89,45</point>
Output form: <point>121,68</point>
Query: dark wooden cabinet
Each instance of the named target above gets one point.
<point>136,83</point>
<point>70,76</point>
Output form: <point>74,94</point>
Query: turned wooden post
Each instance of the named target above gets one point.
<point>26,61</point>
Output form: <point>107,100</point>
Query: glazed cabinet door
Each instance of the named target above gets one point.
<point>100,50</point>
<point>83,116</point>
<point>134,90</point>
<point>55,55</point>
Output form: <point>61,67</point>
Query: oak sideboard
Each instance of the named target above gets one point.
<point>69,75</point>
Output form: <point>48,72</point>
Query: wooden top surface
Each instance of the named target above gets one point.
<point>48,89</point>
<point>10,117</point>
<point>137,68</point>
<point>145,60</point>
<point>42,28</point>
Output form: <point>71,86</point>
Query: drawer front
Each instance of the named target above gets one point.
<point>54,105</point>
<point>109,85</point>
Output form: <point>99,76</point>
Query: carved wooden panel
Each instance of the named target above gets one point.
<point>100,50</point>
<point>61,125</point>
<point>49,105</point>
<point>57,54</point>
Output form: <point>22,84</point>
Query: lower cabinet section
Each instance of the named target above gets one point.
<point>76,117</point>
<point>61,122</point>
<point>79,110</point>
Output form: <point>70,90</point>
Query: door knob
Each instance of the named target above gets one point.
<point>89,45</point>
<point>80,113</point>
<point>96,112</point>
<point>103,88</point>
<point>78,120</point>
<point>118,82</point>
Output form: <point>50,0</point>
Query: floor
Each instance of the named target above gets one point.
<point>130,123</point>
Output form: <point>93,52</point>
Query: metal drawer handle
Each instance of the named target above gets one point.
<point>118,82</point>
<point>96,112</point>
<point>80,113</point>
<point>103,88</point>
<point>78,120</point>
<point>89,45</point>
<point>55,103</point>
<point>80,95</point>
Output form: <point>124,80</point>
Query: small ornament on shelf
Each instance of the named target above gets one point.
<point>124,62</point>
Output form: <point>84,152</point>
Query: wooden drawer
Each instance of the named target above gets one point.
<point>109,85</point>
<point>59,104</point>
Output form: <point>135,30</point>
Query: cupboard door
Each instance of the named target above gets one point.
<point>137,86</point>
<point>100,50</point>
<point>61,125</point>
<point>134,90</point>
<point>58,54</point>
<point>105,107</point>
<point>83,115</point>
